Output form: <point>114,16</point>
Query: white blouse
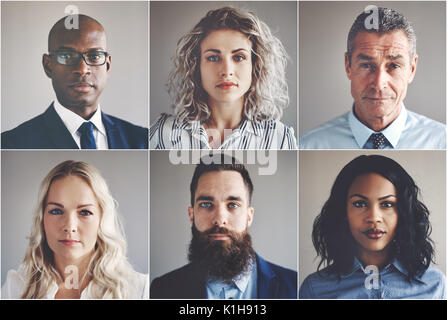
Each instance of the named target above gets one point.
<point>15,286</point>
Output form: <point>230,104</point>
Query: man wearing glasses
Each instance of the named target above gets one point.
<point>78,65</point>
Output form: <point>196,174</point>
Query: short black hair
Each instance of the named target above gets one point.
<point>223,163</point>
<point>332,237</point>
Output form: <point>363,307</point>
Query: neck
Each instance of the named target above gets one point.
<point>379,259</point>
<point>377,123</point>
<point>73,269</point>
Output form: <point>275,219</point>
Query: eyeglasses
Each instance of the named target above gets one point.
<point>71,58</point>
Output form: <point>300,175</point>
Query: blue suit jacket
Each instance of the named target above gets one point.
<point>187,282</point>
<point>47,131</point>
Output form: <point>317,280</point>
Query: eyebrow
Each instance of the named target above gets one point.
<point>62,206</point>
<point>72,49</point>
<point>363,197</point>
<point>210,198</point>
<point>362,56</point>
<point>218,51</point>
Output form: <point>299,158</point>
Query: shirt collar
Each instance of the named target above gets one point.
<point>392,133</point>
<point>197,129</point>
<point>73,121</point>
<point>241,282</point>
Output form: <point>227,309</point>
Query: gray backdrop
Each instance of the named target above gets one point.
<point>324,88</point>
<point>317,175</point>
<point>22,172</point>
<point>27,91</point>
<point>169,21</point>
<point>274,228</point>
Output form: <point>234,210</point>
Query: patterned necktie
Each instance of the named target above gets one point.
<point>378,140</point>
<point>87,139</point>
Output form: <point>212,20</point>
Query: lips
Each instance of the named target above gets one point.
<point>218,236</point>
<point>374,234</point>
<point>69,242</point>
<point>81,87</point>
<point>226,85</point>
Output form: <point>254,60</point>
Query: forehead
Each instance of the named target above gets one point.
<point>222,184</point>
<point>225,39</point>
<point>71,189</point>
<point>372,185</point>
<point>89,35</point>
<point>390,43</point>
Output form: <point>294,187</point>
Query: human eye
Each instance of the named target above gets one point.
<point>367,65</point>
<point>95,56</point>
<point>205,205</point>
<point>55,211</point>
<point>359,203</point>
<point>233,205</point>
<point>239,57</point>
<point>213,58</point>
<point>85,213</point>
<point>388,204</point>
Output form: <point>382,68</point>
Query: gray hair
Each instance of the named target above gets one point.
<point>389,20</point>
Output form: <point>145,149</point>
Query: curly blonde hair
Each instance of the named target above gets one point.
<point>268,93</point>
<point>108,268</point>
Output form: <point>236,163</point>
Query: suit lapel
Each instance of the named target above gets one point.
<point>57,131</point>
<point>114,138</point>
<point>268,286</point>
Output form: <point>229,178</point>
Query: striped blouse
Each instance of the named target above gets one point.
<point>168,133</point>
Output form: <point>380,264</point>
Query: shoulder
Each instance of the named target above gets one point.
<point>430,133</point>
<point>14,285</point>
<point>140,285</point>
<point>275,132</point>
<point>21,134</point>
<point>433,275</point>
<point>284,277</point>
<point>316,283</point>
<point>176,283</point>
<point>322,136</point>
<point>279,271</point>
<point>161,131</point>
<point>123,124</point>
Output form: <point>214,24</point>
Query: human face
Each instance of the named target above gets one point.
<point>71,219</point>
<point>372,213</point>
<point>221,200</point>
<point>78,86</point>
<point>225,67</point>
<point>380,70</point>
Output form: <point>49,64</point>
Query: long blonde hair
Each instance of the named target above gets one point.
<point>108,267</point>
<point>268,93</point>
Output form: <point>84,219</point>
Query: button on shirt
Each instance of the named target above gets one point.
<point>391,284</point>
<point>244,287</point>
<point>73,121</point>
<point>169,133</point>
<point>408,131</point>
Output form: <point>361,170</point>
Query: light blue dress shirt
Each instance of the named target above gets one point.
<point>408,131</point>
<point>392,284</point>
<point>244,287</point>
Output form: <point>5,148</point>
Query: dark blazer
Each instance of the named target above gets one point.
<point>187,282</point>
<point>47,131</point>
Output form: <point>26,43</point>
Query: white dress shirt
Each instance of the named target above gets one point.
<point>15,286</point>
<point>73,121</point>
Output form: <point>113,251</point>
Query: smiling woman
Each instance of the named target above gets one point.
<point>77,248</point>
<point>229,87</point>
<point>374,221</point>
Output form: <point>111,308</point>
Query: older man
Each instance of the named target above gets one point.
<point>380,62</point>
<point>78,65</point>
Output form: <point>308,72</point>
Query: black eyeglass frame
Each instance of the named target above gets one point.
<point>81,55</point>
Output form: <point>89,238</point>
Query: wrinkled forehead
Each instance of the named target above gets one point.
<point>390,43</point>
<point>88,35</point>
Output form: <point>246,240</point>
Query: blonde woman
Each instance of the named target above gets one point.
<point>77,248</point>
<point>229,87</point>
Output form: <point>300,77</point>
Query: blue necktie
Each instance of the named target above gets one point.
<point>87,139</point>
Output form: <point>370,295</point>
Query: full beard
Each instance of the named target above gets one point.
<point>221,259</point>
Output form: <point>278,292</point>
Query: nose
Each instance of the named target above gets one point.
<point>374,214</point>
<point>380,78</point>
<point>227,68</point>
<point>70,223</point>
<point>220,216</point>
<point>82,67</point>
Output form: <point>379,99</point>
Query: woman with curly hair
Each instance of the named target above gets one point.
<point>229,87</point>
<point>77,248</point>
<point>373,237</point>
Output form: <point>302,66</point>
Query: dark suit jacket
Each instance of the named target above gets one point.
<point>187,282</point>
<point>47,131</point>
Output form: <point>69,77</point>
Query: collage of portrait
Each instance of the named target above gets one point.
<point>162,150</point>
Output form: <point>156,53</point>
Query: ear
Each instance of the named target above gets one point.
<point>347,66</point>
<point>191,214</point>
<point>250,213</point>
<point>46,63</point>
<point>413,67</point>
<point>108,63</point>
